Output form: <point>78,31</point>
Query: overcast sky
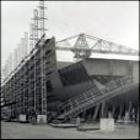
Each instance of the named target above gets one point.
<point>112,20</point>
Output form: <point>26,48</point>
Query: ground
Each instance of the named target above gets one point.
<point>15,130</point>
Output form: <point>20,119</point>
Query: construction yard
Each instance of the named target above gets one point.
<point>69,84</point>
<point>14,130</point>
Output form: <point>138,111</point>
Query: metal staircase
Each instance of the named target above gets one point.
<point>88,99</point>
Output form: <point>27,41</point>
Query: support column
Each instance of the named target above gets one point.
<point>121,110</point>
<point>84,114</point>
<point>137,118</point>
<point>119,114</point>
<point>96,112</point>
<point>113,110</point>
<point>103,110</point>
<point>130,107</point>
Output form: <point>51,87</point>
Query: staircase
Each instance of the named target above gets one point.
<point>88,99</point>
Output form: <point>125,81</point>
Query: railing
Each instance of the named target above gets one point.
<point>92,96</point>
<point>90,84</point>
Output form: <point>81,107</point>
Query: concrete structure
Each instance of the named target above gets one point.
<point>89,88</point>
<point>107,125</point>
<point>79,77</point>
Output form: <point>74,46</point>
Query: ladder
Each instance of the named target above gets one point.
<point>88,99</point>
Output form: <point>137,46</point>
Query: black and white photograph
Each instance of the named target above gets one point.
<point>69,69</point>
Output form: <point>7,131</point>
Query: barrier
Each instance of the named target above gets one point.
<point>41,119</point>
<point>22,118</point>
<point>107,124</point>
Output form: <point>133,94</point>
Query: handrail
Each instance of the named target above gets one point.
<point>88,96</point>
<point>90,86</point>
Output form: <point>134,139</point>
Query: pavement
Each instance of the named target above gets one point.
<point>15,130</point>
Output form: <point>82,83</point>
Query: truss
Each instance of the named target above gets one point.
<point>81,47</point>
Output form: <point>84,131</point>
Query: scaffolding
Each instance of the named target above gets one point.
<point>25,88</point>
<point>42,19</point>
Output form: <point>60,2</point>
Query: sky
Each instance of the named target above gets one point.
<point>115,21</point>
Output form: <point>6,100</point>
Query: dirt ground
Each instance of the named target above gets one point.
<point>15,130</point>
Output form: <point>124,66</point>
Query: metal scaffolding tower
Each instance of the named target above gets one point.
<point>37,28</point>
<point>42,18</point>
<point>34,30</point>
<point>31,36</point>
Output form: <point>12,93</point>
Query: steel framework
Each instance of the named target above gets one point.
<point>82,49</point>
<point>25,88</point>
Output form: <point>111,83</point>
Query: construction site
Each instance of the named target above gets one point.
<point>64,94</point>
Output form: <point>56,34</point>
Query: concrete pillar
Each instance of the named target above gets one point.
<point>113,110</point>
<point>90,114</point>
<point>137,119</point>
<point>130,107</point>
<point>96,112</point>
<point>103,110</point>
<point>84,115</point>
<point>121,110</point>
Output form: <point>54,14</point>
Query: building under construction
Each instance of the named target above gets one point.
<point>89,87</point>
<point>82,85</point>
